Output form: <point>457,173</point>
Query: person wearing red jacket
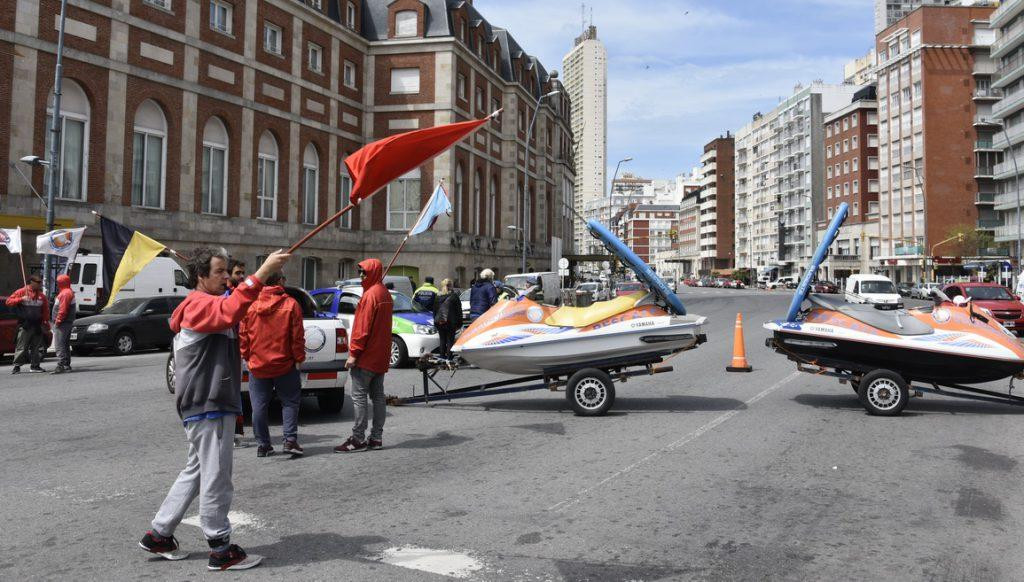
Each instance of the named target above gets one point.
<point>369,354</point>
<point>207,392</point>
<point>273,343</point>
<point>64,313</point>
<point>33,311</point>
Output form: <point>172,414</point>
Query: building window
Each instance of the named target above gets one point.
<point>215,175</point>
<point>829,191</point>
<point>405,81</point>
<point>828,152</point>
<point>495,105</point>
<point>846,145</point>
<point>266,177</point>
<point>854,141</point>
<point>344,191</point>
<point>853,120</point>
<point>310,266</point>
<point>846,188</point>
<point>830,213</point>
<point>315,57</point>
<point>459,181</point>
<point>350,15</point>
<point>310,185</point>
<point>165,4</point>
<point>846,167</point>
<point>318,4</point>
<point>74,143</point>
<point>846,124</point>
<point>220,16</point>
<point>856,164</point>
<point>828,172</point>
<point>272,35</point>
<point>477,200</point>
<point>404,201</point>
<point>350,74</point>
<point>460,86</point>
<point>492,205</point>
<point>828,131</point>
<point>856,187</point>
<point>479,99</point>
<point>148,156</point>
<point>405,23</point>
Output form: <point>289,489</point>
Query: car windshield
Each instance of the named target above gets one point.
<point>588,287</point>
<point>123,306</point>
<point>521,282</point>
<point>989,293</point>
<point>402,304</point>
<point>877,287</point>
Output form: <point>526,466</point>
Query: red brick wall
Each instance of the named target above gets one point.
<point>312,34</point>
<point>267,13</point>
<point>173,20</point>
<point>206,59</point>
<point>48,32</point>
<point>382,78</point>
<point>137,36</point>
<point>353,55</point>
<point>861,153</point>
<point>234,42</point>
<point>284,103</point>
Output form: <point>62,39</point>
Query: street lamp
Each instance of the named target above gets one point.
<point>611,186</point>
<point>526,168</point>
<point>31,161</point>
<point>54,162</point>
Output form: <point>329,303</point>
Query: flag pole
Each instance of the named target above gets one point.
<point>322,226</point>
<point>21,259</point>
<point>180,256</point>
<point>395,256</point>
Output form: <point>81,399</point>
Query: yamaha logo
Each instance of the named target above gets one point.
<point>316,339</point>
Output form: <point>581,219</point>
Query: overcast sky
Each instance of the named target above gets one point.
<point>681,72</point>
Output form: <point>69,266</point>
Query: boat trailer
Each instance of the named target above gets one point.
<point>589,387</point>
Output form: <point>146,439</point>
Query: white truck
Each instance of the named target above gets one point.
<point>163,276</point>
<point>323,373</point>
<point>874,289</point>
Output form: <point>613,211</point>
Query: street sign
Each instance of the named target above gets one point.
<point>563,263</point>
<point>563,272</point>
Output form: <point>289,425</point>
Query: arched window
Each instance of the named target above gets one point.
<point>344,190</point>
<point>149,152</point>
<point>404,201</point>
<point>310,185</point>
<point>406,23</point>
<point>74,146</point>
<point>478,211</point>
<point>215,175</point>
<point>459,198</point>
<point>492,206</point>
<point>266,177</point>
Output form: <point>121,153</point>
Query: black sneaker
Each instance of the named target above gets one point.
<point>36,370</point>
<point>16,370</point>
<point>59,370</point>
<point>166,548</point>
<point>264,451</point>
<point>233,558</point>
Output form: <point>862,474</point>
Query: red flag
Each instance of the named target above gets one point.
<point>376,164</point>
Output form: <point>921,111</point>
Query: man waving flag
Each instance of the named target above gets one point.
<point>125,253</point>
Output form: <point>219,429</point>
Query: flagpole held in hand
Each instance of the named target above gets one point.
<point>395,256</point>
<point>322,226</point>
<point>21,259</point>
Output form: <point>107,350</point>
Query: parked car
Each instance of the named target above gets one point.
<point>905,289</point>
<point>824,287</point>
<point>412,328</point>
<point>126,325</point>
<point>782,283</point>
<point>163,276</point>
<point>628,287</point>
<point>9,329</point>
<point>924,290</point>
<point>400,283</point>
<point>875,289</point>
<point>1004,305</point>
<point>323,374</point>
<point>596,290</point>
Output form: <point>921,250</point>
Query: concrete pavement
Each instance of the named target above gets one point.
<point>694,475</point>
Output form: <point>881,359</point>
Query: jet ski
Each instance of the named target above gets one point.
<point>520,336</point>
<point>882,352</point>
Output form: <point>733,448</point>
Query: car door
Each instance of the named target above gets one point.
<point>148,328</point>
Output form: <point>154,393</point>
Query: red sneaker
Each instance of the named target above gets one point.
<point>350,446</point>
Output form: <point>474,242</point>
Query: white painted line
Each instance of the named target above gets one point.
<point>443,562</point>
<point>563,505</point>
<point>238,519</point>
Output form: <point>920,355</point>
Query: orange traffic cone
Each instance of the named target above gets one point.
<point>739,354</point>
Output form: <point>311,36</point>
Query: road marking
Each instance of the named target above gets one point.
<point>443,562</point>
<point>563,505</point>
<point>238,519</point>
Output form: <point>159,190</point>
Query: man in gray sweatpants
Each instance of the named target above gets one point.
<point>207,382</point>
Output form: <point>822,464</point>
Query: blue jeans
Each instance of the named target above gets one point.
<point>289,391</point>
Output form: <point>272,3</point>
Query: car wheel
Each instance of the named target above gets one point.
<point>330,402</point>
<point>399,353</point>
<point>124,343</point>
<point>590,392</point>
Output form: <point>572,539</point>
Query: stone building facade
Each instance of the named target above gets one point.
<point>227,122</point>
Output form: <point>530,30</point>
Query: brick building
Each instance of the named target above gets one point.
<point>226,122</point>
<point>647,228</point>
<point>851,176</point>
<point>717,218</point>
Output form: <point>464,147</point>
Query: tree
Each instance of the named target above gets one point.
<point>967,242</point>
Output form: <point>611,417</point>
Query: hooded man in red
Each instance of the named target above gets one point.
<point>369,353</point>
<point>273,342</point>
<point>65,309</point>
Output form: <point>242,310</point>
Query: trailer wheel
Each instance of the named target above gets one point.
<point>883,393</point>
<point>590,392</point>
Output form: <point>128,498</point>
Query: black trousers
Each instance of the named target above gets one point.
<point>447,335</point>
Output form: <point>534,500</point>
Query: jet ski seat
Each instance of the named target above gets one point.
<point>567,316</point>
<point>897,322</point>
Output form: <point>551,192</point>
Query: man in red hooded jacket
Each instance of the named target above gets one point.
<point>273,342</point>
<point>65,309</point>
<point>369,354</point>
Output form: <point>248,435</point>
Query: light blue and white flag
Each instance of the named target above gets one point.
<point>436,206</point>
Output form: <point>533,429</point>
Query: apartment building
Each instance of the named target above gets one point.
<point>717,220</point>
<point>1005,69</point>
<point>928,130</point>
<point>648,229</point>
<point>888,12</point>
<point>226,123</point>
<point>851,176</point>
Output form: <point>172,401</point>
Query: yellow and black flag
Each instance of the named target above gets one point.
<point>125,253</point>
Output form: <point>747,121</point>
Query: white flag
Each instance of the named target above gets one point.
<point>62,242</point>
<point>11,238</point>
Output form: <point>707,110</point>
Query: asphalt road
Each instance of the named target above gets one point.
<point>694,475</point>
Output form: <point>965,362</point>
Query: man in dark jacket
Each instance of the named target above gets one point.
<point>208,380</point>
<point>369,355</point>
<point>273,343</point>
<point>33,314</point>
<point>483,295</point>
<point>426,295</point>
<point>65,309</point>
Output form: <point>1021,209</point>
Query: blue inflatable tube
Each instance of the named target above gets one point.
<point>643,272</point>
<point>819,256</point>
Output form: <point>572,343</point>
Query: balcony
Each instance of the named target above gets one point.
<point>989,223</point>
<point>1009,104</point>
<point>1009,39</point>
<point>983,171</point>
<point>988,94</point>
<point>985,198</point>
<point>1005,13</point>
<point>985,145</point>
<point>1007,72</point>
<point>986,121</point>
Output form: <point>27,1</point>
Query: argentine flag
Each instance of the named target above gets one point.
<point>436,206</point>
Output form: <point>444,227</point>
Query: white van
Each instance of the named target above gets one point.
<point>876,289</point>
<point>786,282</point>
<point>162,276</point>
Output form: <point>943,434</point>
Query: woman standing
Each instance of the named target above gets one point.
<point>447,317</point>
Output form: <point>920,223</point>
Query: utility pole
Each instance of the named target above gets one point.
<point>55,143</point>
